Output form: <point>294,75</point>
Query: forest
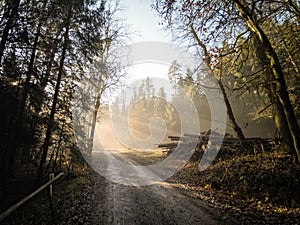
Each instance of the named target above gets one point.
<point>47,48</point>
<point>57,54</point>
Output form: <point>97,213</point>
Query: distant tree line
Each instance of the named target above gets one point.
<point>149,100</point>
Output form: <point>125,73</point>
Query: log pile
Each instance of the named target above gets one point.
<point>229,145</point>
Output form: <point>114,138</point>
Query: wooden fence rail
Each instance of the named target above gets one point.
<point>7,212</point>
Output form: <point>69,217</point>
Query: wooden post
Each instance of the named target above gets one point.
<point>51,177</point>
<point>6,213</point>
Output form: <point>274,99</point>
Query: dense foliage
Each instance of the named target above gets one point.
<point>48,48</point>
<point>251,47</point>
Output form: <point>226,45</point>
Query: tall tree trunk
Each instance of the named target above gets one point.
<point>282,127</point>
<point>29,73</point>
<point>46,143</point>
<point>94,121</point>
<point>280,88</point>
<point>44,80</point>
<point>278,116</point>
<point>18,123</point>
<point>230,113</point>
<point>13,14</point>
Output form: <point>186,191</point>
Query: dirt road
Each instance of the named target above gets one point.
<point>160,203</point>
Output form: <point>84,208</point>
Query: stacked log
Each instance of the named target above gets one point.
<point>228,144</point>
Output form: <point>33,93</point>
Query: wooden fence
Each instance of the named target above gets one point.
<point>52,179</point>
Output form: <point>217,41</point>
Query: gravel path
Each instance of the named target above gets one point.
<point>161,203</point>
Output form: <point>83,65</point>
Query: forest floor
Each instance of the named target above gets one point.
<point>246,189</point>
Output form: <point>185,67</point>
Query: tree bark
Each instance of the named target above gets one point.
<point>230,113</point>
<point>8,26</point>
<point>280,88</point>
<point>46,143</point>
<point>278,116</point>
<point>17,125</point>
<point>94,121</point>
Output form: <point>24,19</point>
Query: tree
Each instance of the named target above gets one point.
<point>217,21</point>
<point>106,71</point>
<point>50,45</point>
<point>46,143</point>
<point>174,73</point>
<point>279,88</point>
<point>10,15</point>
<point>182,19</point>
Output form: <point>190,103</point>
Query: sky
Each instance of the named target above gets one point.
<point>141,18</point>
<point>144,22</point>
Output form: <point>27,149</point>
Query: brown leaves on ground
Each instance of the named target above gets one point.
<point>265,185</point>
